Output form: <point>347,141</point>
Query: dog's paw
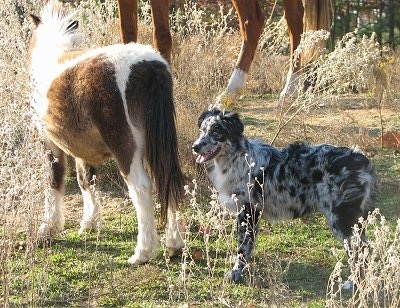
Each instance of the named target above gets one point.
<point>234,276</point>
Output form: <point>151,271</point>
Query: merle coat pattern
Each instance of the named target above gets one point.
<point>339,182</point>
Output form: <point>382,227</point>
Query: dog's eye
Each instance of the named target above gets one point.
<point>216,128</point>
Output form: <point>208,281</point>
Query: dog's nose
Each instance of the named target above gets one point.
<point>196,147</point>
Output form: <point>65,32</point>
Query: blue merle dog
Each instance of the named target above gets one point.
<point>255,180</point>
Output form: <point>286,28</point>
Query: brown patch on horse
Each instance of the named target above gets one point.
<point>86,117</point>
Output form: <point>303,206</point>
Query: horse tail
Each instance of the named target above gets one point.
<point>161,137</point>
<point>317,16</point>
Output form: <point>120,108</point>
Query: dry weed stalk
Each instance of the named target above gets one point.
<point>376,283</point>
<point>350,67</point>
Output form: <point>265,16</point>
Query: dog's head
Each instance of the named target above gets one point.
<point>218,131</point>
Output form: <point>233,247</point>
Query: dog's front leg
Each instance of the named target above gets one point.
<point>247,224</point>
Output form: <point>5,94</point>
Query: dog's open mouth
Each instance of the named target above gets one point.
<point>202,158</point>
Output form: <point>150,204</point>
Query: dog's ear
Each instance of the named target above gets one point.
<point>233,124</point>
<point>204,115</point>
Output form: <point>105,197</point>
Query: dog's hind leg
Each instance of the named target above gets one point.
<point>247,224</point>
<point>87,184</point>
<point>342,223</point>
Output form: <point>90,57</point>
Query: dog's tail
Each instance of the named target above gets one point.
<point>360,184</point>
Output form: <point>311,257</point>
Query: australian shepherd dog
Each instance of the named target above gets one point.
<point>255,179</point>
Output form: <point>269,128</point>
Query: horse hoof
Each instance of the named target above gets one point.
<point>136,260</point>
<point>141,257</point>
<point>234,276</point>
<point>173,252</point>
<point>88,226</point>
<point>47,230</point>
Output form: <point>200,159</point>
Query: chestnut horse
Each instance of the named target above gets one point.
<point>110,102</point>
<point>312,15</point>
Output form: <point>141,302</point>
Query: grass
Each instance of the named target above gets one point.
<point>75,270</point>
<point>294,262</point>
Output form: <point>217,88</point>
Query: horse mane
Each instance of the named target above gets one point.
<point>58,26</point>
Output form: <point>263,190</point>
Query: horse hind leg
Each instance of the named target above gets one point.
<point>53,222</point>
<point>91,217</point>
<point>140,191</point>
<point>174,232</point>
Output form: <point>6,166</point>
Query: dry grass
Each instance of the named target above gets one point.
<point>355,97</point>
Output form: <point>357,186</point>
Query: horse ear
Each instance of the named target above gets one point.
<point>73,25</point>
<point>35,20</point>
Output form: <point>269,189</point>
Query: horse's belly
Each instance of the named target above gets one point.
<point>86,145</point>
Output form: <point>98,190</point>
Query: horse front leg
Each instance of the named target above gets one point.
<point>251,23</point>
<point>53,222</point>
<point>247,226</point>
<point>91,217</point>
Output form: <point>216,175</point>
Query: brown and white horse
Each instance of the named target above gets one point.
<point>300,17</point>
<point>111,102</point>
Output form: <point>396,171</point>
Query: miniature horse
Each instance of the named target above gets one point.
<point>111,102</point>
<point>316,15</point>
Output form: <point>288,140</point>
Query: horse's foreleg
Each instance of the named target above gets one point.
<point>140,191</point>
<point>128,20</point>
<point>161,33</point>
<point>53,222</point>
<point>91,217</point>
<point>247,224</point>
<point>251,22</point>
